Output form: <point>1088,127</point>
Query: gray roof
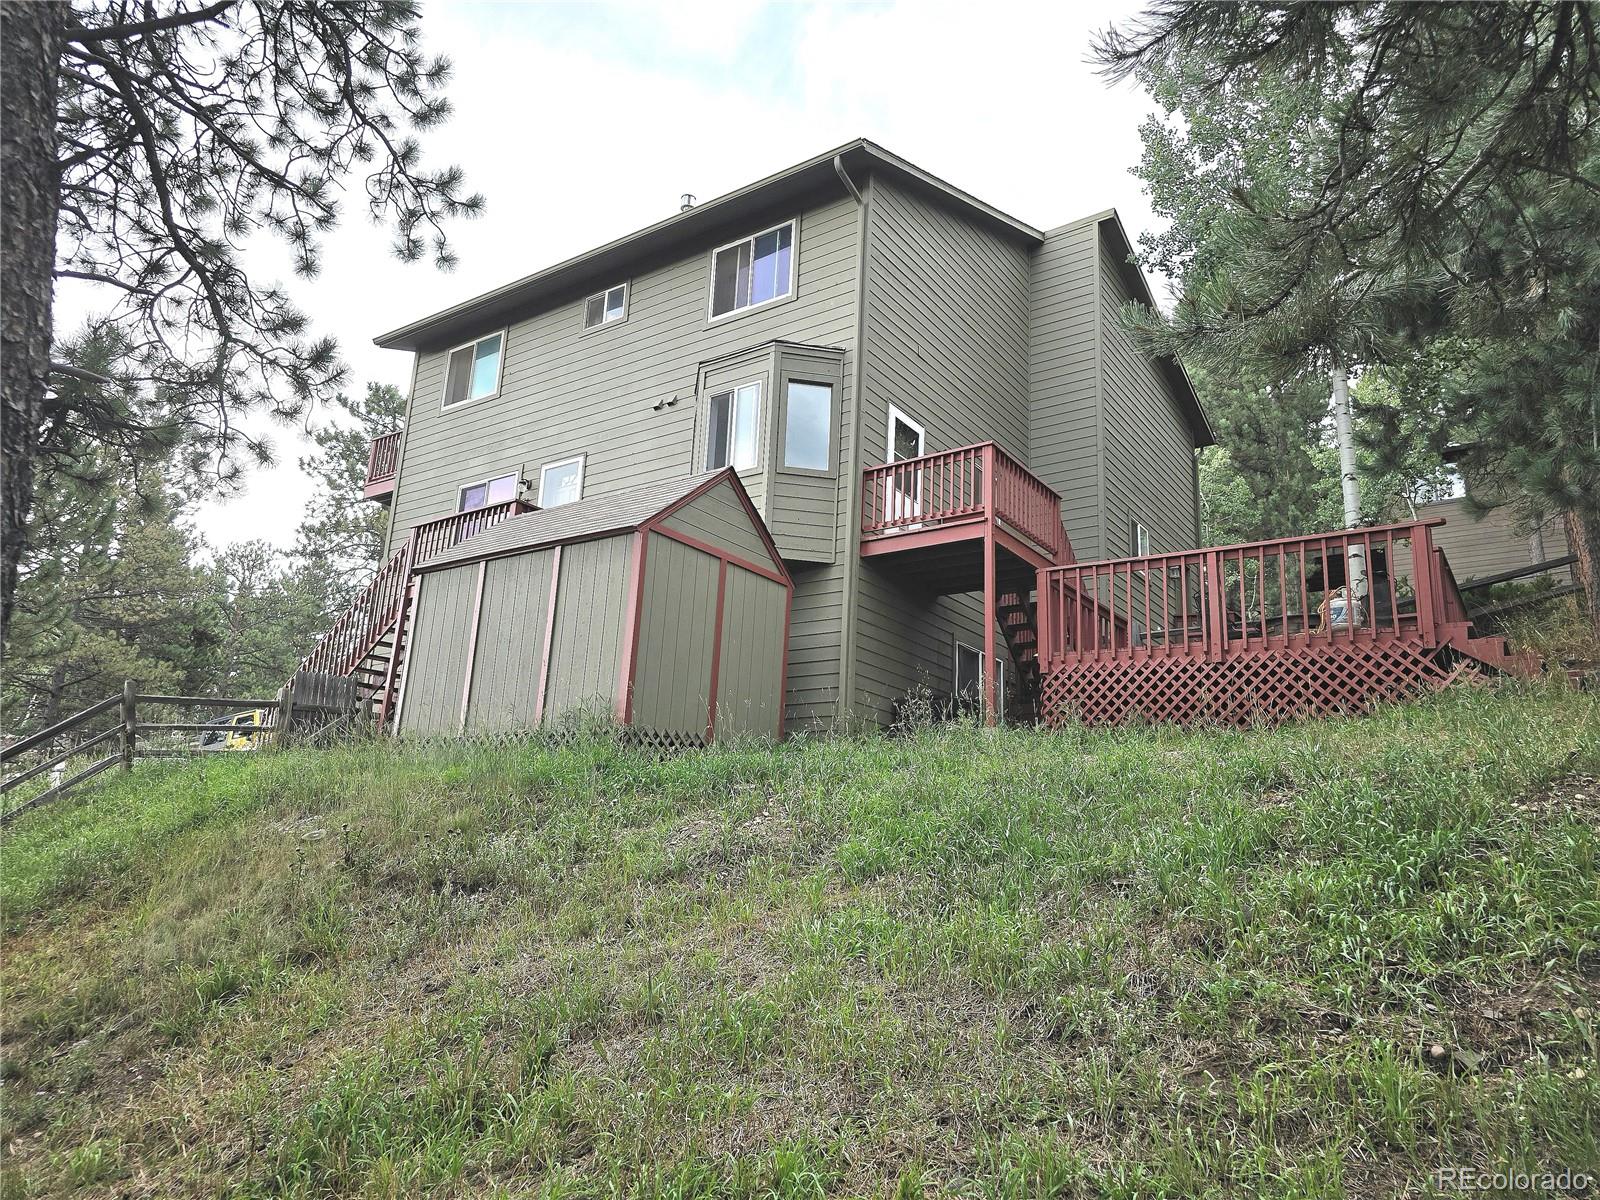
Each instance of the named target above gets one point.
<point>615,512</point>
<point>713,219</point>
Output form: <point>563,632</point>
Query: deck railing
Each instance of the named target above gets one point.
<point>959,485</point>
<point>377,606</point>
<point>383,458</point>
<point>435,537</point>
<point>1281,593</point>
<point>363,624</point>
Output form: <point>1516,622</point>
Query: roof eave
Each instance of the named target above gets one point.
<point>804,177</point>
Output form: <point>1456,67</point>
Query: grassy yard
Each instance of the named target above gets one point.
<point>1321,961</point>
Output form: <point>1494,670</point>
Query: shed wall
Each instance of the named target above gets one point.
<point>436,658</point>
<point>750,668</point>
<point>511,638</point>
<point>591,605</point>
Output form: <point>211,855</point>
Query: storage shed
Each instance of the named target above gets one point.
<point>666,606</point>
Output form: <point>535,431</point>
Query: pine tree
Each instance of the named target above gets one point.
<point>144,146</point>
<point>1443,185</point>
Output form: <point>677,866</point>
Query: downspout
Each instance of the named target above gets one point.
<point>852,464</point>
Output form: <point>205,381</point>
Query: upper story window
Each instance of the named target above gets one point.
<point>808,426</point>
<point>473,372</point>
<point>732,432</point>
<point>487,492</point>
<point>1141,540</point>
<point>561,482</point>
<point>753,271</point>
<point>603,308</point>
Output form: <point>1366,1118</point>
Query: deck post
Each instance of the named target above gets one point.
<point>1425,583</point>
<point>991,614</point>
<point>130,723</point>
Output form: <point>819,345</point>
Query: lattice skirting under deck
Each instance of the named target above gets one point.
<point>1264,685</point>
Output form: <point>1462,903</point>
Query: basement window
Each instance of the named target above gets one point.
<point>473,371</point>
<point>605,308</point>
<point>753,271</point>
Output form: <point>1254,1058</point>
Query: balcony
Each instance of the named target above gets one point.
<point>932,516</point>
<point>383,464</point>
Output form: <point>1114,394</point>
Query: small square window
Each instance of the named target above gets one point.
<point>561,482</point>
<point>603,308</point>
<point>473,370</point>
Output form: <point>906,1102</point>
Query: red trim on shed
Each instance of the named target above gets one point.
<point>630,629</point>
<point>549,636</point>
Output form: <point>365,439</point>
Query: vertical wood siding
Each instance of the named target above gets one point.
<point>511,631</point>
<point>586,659</point>
<point>1149,450</point>
<point>748,700</point>
<point>436,659</point>
<point>946,343</point>
<point>563,393</point>
<point>677,612</point>
<point>1063,374</point>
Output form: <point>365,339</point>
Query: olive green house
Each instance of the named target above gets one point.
<point>780,460</point>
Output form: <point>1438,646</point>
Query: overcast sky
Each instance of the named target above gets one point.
<point>580,123</point>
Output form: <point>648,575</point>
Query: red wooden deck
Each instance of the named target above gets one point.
<point>383,465</point>
<point>1237,634</point>
<point>972,519</point>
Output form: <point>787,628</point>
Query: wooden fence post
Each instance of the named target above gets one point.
<point>130,723</point>
<point>286,709</point>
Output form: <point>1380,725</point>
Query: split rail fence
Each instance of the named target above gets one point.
<point>119,729</point>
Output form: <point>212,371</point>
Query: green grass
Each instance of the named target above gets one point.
<point>1319,961</point>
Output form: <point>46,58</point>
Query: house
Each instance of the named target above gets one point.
<point>850,391</point>
<point>1492,542</point>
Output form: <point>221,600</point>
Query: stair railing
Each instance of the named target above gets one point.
<point>362,625</point>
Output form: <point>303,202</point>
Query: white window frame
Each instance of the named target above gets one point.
<point>794,272</point>
<point>626,287</point>
<point>902,505</point>
<point>514,476</point>
<point>580,459</point>
<point>1141,540</point>
<point>499,372</point>
<point>760,384</point>
<point>983,668</point>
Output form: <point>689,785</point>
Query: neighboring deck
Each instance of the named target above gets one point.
<point>1251,632</point>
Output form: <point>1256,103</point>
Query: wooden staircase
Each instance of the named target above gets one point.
<point>366,643</point>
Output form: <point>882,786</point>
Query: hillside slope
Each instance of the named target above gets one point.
<point>1320,961</point>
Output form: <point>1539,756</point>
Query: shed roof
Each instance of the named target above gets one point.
<point>613,513</point>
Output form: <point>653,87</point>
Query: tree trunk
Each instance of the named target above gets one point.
<point>1349,479</point>
<point>1583,536</point>
<point>30,199</point>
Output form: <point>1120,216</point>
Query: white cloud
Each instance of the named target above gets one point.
<point>576,139</point>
